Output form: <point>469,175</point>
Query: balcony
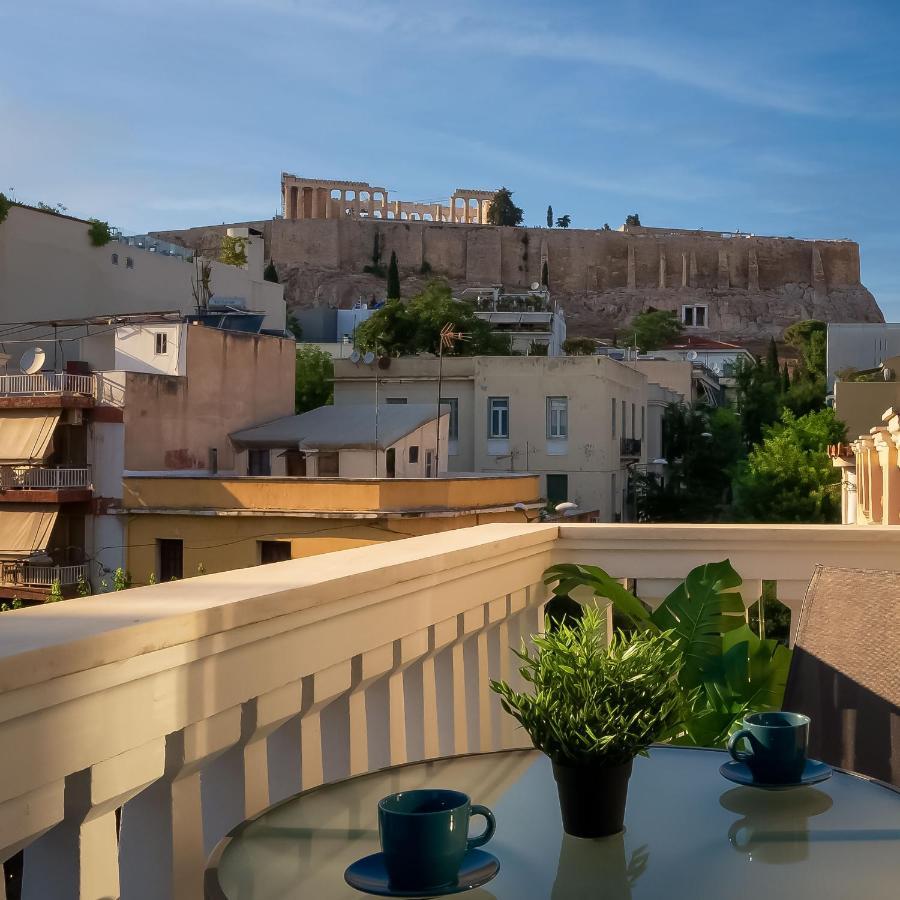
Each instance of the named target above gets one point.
<point>630,448</point>
<point>146,724</point>
<point>44,484</point>
<point>47,390</point>
<point>32,576</point>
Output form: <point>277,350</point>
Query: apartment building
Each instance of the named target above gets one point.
<point>580,423</point>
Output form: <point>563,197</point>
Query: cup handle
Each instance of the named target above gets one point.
<point>734,740</point>
<point>488,833</point>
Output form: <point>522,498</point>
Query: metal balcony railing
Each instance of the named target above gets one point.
<point>43,478</point>
<point>44,383</point>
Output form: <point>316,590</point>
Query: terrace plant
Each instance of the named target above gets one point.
<point>723,669</point>
<point>591,708</point>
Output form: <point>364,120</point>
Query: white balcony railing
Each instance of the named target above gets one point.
<point>44,478</point>
<point>191,705</point>
<point>46,383</point>
<point>44,576</point>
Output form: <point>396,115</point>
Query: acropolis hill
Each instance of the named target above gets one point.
<point>754,286</point>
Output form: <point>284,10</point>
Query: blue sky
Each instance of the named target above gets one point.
<point>771,117</point>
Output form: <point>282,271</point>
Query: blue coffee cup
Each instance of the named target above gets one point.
<point>777,746</point>
<point>425,835</point>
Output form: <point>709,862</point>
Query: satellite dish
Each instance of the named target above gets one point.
<point>535,285</point>
<point>369,358</point>
<point>692,355</point>
<point>888,374</point>
<point>32,361</point>
<point>355,357</point>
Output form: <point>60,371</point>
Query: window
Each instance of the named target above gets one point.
<point>161,344</point>
<point>390,462</point>
<point>498,417</point>
<point>613,408</point>
<point>213,460</point>
<point>413,454</point>
<point>259,462</point>
<point>624,434</point>
<point>170,558</point>
<point>395,400</point>
<point>694,316</point>
<point>557,417</point>
<point>115,259</point>
<point>429,464</point>
<point>129,262</point>
<point>273,551</point>
<point>453,403</point>
<point>329,464</point>
<point>557,489</point>
<point>633,432</point>
<point>295,463</point>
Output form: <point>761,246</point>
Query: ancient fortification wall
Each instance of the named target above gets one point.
<point>754,286</point>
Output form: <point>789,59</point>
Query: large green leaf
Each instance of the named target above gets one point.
<point>568,576</point>
<point>699,612</point>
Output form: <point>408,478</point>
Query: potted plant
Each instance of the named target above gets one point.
<point>591,709</point>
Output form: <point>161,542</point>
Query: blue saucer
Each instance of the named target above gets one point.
<point>738,772</point>
<point>370,876</point>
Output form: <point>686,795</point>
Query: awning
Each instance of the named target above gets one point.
<point>25,529</point>
<point>25,435</point>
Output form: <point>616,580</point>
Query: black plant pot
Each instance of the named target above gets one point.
<point>592,798</point>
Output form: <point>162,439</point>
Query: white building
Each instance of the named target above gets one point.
<point>859,346</point>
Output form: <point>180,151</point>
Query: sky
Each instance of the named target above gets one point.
<point>778,118</point>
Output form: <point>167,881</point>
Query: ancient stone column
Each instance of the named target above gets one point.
<point>662,267</point>
<point>632,275</point>
<point>316,214</point>
<point>684,270</point>
<point>724,281</point>
<point>752,271</point>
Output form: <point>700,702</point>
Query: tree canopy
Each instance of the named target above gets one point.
<point>789,476</point>
<point>564,221</point>
<point>399,329</point>
<point>313,382</point>
<point>393,278</point>
<point>579,346</point>
<point>549,216</point>
<point>634,220</point>
<point>503,211</point>
<point>810,337</point>
<point>271,273</point>
<point>652,329</point>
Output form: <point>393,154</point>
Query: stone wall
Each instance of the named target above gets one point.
<point>754,286</point>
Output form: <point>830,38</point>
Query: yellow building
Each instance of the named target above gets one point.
<point>180,526</point>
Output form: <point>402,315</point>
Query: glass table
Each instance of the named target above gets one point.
<point>688,833</point>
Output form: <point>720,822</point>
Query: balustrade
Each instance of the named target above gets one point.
<point>191,705</point>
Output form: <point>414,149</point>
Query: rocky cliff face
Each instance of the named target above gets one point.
<point>752,287</point>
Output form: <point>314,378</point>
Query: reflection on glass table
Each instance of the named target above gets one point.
<point>688,834</point>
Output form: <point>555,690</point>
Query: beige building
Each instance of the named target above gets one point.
<point>316,198</point>
<point>50,270</point>
<point>578,422</point>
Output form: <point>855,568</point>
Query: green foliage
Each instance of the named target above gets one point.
<point>15,603</point>
<point>591,703</point>
<point>393,278</point>
<point>425,268</point>
<point>121,579</point>
<point>314,386</point>
<point>502,210</point>
<point>810,337</point>
<point>56,593</point>
<point>55,209</point>
<point>99,233</point>
<point>606,227</point>
<point>579,346</point>
<point>152,578</point>
<point>537,348</point>
<point>549,216</point>
<point>652,329</point>
<point>723,669</point>
<point>789,476</point>
<point>271,273</point>
<point>376,268</point>
<point>294,327</point>
<point>83,588</point>
<point>634,220</point>
<point>399,329</point>
<point>545,274</point>
<point>233,251</point>
<point>564,221</point>
<point>5,206</point>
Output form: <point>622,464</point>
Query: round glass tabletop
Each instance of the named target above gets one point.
<point>689,833</point>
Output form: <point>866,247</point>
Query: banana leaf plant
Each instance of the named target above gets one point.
<point>726,671</point>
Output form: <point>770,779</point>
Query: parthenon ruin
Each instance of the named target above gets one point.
<point>313,198</point>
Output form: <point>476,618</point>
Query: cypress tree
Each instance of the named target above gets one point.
<point>271,273</point>
<point>549,216</point>
<point>772,360</point>
<point>393,279</point>
<point>785,379</point>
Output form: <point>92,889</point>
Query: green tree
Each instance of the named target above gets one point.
<point>810,337</point>
<point>5,206</point>
<point>292,324</point>
<point>503,211</point>
<point>271,273</point>
<point>789,476</point>
<point>564,221</point>
<point>314,385</point>
<point>399,329</point>
<point>233,251</point>
<point>772,358</point>
<point>579,346</point>
<point>653,329</point>
<point>785,379</point>
<point>758,399</point>
<point>376,268</point>
<point>634,220</point>
<point>393,279</point>
<point>549,216</point>
<point>99,233</point>
<point>545,274</point>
